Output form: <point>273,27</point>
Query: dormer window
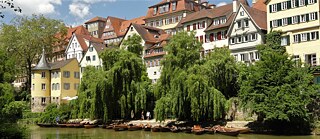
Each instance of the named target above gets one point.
<point>174,6</point>
<point>156,36</point>
<point>154,10</point>
<point>131,28</point>
<point>91,49</point>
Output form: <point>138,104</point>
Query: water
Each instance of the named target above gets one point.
<point>98,133</point>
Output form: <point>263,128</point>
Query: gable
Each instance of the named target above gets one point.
<point>73,45</point>
<point>131,30</point>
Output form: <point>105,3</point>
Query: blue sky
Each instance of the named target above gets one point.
<point>76,12</point>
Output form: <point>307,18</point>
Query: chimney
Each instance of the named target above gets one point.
<point>205,3</point>
<point>235,5</point>
<point>197,1</point>
<point>211,6</point>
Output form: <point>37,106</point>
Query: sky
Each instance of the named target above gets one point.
<point>76,12</point>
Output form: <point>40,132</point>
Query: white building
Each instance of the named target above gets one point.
<point>78,45</point>
<point>153,41</point>
<point>91,57</point>
<point>247,30</point>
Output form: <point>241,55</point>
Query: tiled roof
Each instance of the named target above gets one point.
<point>99,47</point>
<point>77,30</point>
<point>97,18</point>
<point>228,23</point>
<point>60,64</point>
<point>125,24</point>
<point>81,39</point>
<point>151,34</point>
<point>114,25</point>
<point>260,5</point>
<point>182,5</point>
<point>207,13</point>
<point>258,16</point>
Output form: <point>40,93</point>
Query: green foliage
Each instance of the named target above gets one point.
<point>278,90</point>
<point>53,111</point>
<point>24,39</point>
<point>133,44</point>
<point>194,89</point>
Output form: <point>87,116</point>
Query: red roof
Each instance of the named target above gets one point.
<point>113,25</point>
<point>97,18</point>
<point>77,30</point>
<point>125,24</point>
<point>82,40</point>
<point>260,5</point>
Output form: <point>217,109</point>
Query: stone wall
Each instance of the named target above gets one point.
<point>37,105</point>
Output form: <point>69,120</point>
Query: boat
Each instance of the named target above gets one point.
<point>226,131</point>
<point>62,125</point>
<point>197,130</point>
<point>156,129</point>
<point>174,129</point>
<point>209,130</point>
<point>102,126</point>
<point>46,124</point>
<point>109,127</point>
<point>243,130</point>
<point>77,125</point>
<point>186,129</point>
<point>120,127</point>
<point>147,127</point>
<point>89,126</point>
<point>134,127</point>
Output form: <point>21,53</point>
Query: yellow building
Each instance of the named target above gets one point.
<point>53,82</point>
<point>299,20</point>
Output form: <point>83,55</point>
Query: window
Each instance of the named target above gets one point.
<point>154,73</point>
<point>245,38</point>
<point>76,86</point>
<point>174,6</point>
<point>295,19</point>
<point>314,35</point>
<point>94,58</point>
<point>216,22</point>
<point>239,39</point>
<point>223,20</point>
<point>301,2</point>
<point>194,26</point>
<point>284,5</point>
<point>66,74</point>
<point>173,20</point>
<point>239,24</point>
<point>296,38</point>
<point>257,55</point>
<point>275,23</point>
<point>66,86</point>
<point>253,36</point>
<point>166,22</point>
<point>215,36</point>
<point>274,8</point>
<point>232,40</point>
<point>77,75</point>
<point>242,57</point>
<point>223,34</point>
<point>43,100</point>
<point>53,86</point>
<point>57,86</point>
<point>311,1</point>
<point>154,11</point>
<point>179,18</point>
<point>43,86</point>
<point>313,16</point>
<point>90,49</point>
<point>311,59</point>
<point>285,21</point>
<point>284,40</point>
<point>242,13</point>
<point>43,74</point>
<point>150,63</point>
<point>304,37</point>
<point>246,23</point>
<point>236,57</point>
<point>200,26</point>
<point>188,27</point>
<point>293,3</point>
<point>303,18</point>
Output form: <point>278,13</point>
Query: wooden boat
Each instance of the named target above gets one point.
<point>156,129</point>
<point>197,130</point>
<point>227,131</point>
<point>102,126</point>
<point>62,125</point>
<point>77,125</point>
<point>244,130</point>
<point>109,127</point>
<point>89,126</point>
<point>186,129</point>
<point>147,128</point>
<point>209,130</point>
<point>46,124</point>
<point>165,129</point>
<point>134,128</point>
<point>175,129</point>
<point>120,127</point>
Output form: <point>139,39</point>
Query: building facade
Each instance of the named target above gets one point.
<point>299,22</point>
<point>51,82</point>
<point>95,26</point>
<point>247,30</point>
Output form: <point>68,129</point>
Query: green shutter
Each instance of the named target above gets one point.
<point>316,15</point>
<point>315,1</point>
<point>298,17</point>
<point>299,37</point>
<point>270,9</point>
<point>317,35</point>
<point>306,2</point>
<point>289,20</point>
<point>297,3</point>
<point>278,6</point>
<point>307,17</point>
<point>289,4</point>
<point>279,22</point>
<point>308,36</point>
<point>270,24</point>
<point>288,40</point>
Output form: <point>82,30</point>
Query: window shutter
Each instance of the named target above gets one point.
<point>316,14</point>
<point>299,37</point>
<point>289,4</point>
<point>279,22</point>
<point>307,17</point>
<point>308,36</point>
<point>270,24</point>
<point>298,17</point>
<point>306,2</point>
<point>198,25</point>
<point>317,35</point>
<point>289,20</point>
<point>270,10</point>
<point>204,24</point>
<point>278,6</point>
<point>288,40</point>
<point>297,3</point>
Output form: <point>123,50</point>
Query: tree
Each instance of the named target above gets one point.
<point>133,44</point>
<point>25,38</point>
<point>278,89</point>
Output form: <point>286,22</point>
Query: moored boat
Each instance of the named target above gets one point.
<point>109,127</point>
<point>120,127</point>
<point>197,130</point>
<point>147,127</point>
<point>134,127</point>
<point>186,129</point>
<point>89,126</point>
<point>165,129</point>
<point>175,129</point>
<point>62,125</point>
<point>102,126</point>
<point>156,129</point>
<point>226,131</point>
<point>46,124</point>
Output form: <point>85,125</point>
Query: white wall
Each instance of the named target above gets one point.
<point>74,49</point>
<point>95,63</point>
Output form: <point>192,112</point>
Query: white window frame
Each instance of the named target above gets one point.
<point>174,6</point>
<point>43,74</point>
<point>275,23</point>
<point>232,40</point>
<point>312,16</point>
<point>302,2</point>
<point>293,4</point>
<point>284,5</point>
<point>303,18</point>
<point>242,13</point>
<point>311,1</point>
<point>245,40</point>
<point>296,38</point>
<point>284,41</point>
<point>313,37</point>
<point>216,22</point>
<point>274,8</point>
<point>223,20</point>
<point>284,21</point>
<point>254,37</point>
<point>239,39</point>
<point>43,86</point>
<point>294,19</point>
<point>257,55</point>
<point>223,36</point>
<point>304,37</point>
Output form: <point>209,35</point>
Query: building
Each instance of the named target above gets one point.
<point>58,51</point>
<point>91,57</point>
<point>153,40</point>
<point>116,28</point>
<point>78,45</point>
<point>247,30</point>
<point>168,13</point>
<point>95,26</point>
<point>299,22</point>
<point>51,82</point>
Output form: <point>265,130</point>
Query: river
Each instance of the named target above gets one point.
<point>98,133</point>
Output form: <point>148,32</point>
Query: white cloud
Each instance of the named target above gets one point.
<point>221,4</point>
<point>79,9</point>
<point>37,6</point>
